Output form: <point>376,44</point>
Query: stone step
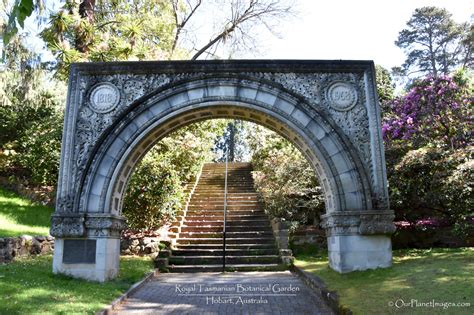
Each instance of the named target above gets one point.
<point>220,206</point>
<point>229,195</point>
<point>234,240</point>
<point>230,167</point>
<point>231,207</point>
<point>233,174</point>
<point>221,185</point>
<point>210,189</point>
<point>217,246</point>
<point>220,200</point>
<point>221,169</point>
<point>233,213</point>
<point>250,244</point>
<point>220,188</point>
<point>229,228</point>
<point>229,268</point>
<point>199,193</point>
<point>230,201</point>
<point>204,260</point>
<point>220,223</point>
<point>229,252</point>
<point>229,235</point>
<point>220,197</point>
<point>220,180</point>
<point>216,211</point>
<point>220,216</point>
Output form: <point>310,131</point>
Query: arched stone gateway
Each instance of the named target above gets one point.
<point>117,111</point>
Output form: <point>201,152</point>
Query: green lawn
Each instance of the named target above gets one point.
<point>20,216</point>
<point>442,275</point>
<point>28,286</point>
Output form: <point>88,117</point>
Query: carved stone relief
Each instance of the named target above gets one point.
<point>91,122</point>
<point>71,225</point>
<point>348,111</point>
<point>358,223</point>
<point>104,226</point>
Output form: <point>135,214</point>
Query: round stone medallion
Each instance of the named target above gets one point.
<point>104,97</point>
<point>342,96</point>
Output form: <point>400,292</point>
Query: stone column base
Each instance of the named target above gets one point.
<point>87,246</point>
<point>359,252</point>
<point>359,240</point>
<point>91,259</point>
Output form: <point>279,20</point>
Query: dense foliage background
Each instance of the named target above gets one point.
<point>283,177</point>
<point>156,188</point>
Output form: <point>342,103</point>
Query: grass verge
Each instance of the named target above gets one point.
<point>417,276</point>
<point>28,286</point>
<point>20,216</point>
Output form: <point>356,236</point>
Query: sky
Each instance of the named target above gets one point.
<point>351,29</point>
<point>338,29</point>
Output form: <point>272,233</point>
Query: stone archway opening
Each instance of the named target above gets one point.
<point>116,112</point>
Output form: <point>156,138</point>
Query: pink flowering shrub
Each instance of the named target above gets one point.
<point>435,110</point>
<point>429,153</point>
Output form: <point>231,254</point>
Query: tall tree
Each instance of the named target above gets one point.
<point>237,22</point>
<point>434,43</point>
<point>92,30</point>
<point>109,30</point>
<point>385,88</point>
<point>233,141</point>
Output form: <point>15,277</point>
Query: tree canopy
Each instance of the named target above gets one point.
<point>434,43</point>
<point>110,30</point>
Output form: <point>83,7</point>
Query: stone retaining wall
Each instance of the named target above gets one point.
<point>147,246</point>
<point>44,195</point>
<point>281,234</point>
<point>305,235</point>
<point>25,245</point>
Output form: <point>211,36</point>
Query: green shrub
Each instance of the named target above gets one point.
<point>156,189</point>
<point>284,179</point>
<point>155,193</point>
<point>39,149</point>
<point>31,105</point>
<point>431,182</point>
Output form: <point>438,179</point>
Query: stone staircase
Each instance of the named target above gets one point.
<point>199,237</point>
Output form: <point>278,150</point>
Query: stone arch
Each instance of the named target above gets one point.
<point>89,211</point>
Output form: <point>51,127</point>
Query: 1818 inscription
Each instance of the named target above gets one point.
<point>104,97</point>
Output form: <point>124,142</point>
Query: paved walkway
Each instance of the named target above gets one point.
<point>230,293</point>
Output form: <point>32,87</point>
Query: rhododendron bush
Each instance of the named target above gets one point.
<point>429,151</point>
<point>434,111</point>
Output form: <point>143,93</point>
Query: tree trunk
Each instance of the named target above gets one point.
<point>86,11</point>
<point>231,146</point>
